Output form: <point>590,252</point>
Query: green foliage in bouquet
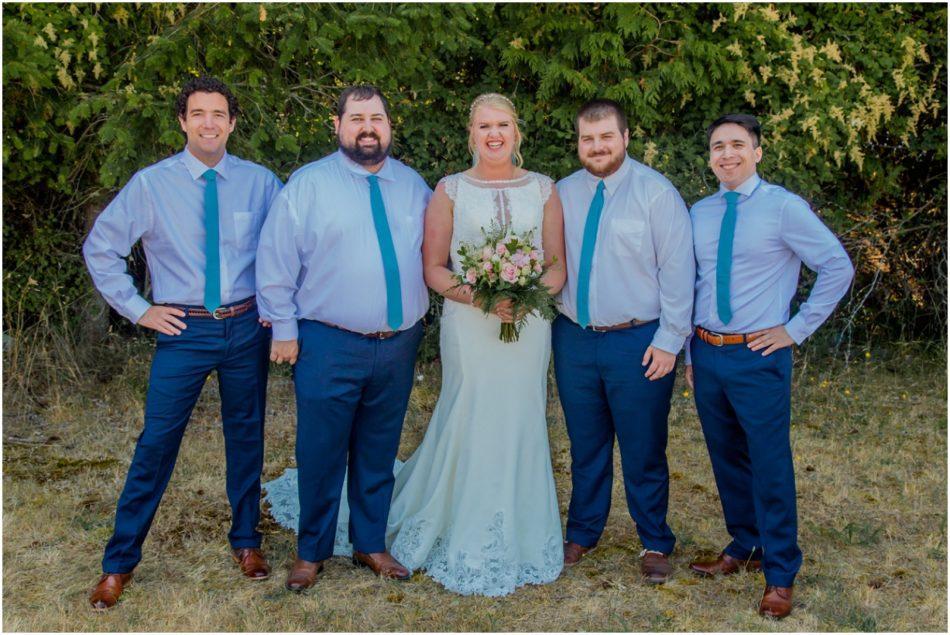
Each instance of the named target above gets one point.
<point>507,267</point>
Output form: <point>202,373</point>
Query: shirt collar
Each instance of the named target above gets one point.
<point>745,188</point>
<point>197,169</point>
<point>385,173</point>
<point>612,182</point>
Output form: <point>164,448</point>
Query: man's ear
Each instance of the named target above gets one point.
<point>336,124</point>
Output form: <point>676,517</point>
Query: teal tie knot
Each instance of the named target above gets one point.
<point>388,252</point>
<point>587,255</point>
<point>727,233</point>
<point>212,299</point>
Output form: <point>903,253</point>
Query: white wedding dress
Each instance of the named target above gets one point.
<point>475,505</point>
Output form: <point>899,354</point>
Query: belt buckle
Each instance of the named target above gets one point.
<point>216,316</point>
<point>598,329</point>
<point>722,339</point>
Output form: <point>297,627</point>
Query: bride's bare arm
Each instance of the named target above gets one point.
<point>435,249</point>
<point>552,241</point>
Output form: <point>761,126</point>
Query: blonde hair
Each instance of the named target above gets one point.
<point>494,100</point>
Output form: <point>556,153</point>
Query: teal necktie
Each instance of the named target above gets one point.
<point>212,255</point>
<point>388,252</point>
<point>587,256</point>
<point>727,233</point>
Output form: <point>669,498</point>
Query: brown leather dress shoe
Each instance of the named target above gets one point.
<point>108,590</point>
<point>724,565</point>
<point>303,575</point>
<point>382,564</point>
<point>776,601</point>
<point>655,567</point>
<point>573,553</point>
<point>252,562</point>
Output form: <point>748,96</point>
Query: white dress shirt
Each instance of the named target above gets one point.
<point>776,232</point>
<point>319,256</point>
<point>163,205</point>
<point>643,266</point>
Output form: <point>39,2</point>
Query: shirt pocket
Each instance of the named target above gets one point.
<point>626,235</point>
<point>247,229</point>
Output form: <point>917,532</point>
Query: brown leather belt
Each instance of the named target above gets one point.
<point>721,339</point>
<point>378,335</point>
<point>618,327</point>
<point>221,313</point>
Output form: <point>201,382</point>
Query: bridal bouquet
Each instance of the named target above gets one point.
<point>506,267</point>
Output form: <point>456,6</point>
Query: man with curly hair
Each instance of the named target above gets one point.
<point>198,215</point>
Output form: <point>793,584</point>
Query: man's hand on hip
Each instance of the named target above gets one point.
<point>284,351</point>
<point>770,339</point>
<point>163,319</point>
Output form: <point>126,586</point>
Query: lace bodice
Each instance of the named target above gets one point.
<point>517,204</point>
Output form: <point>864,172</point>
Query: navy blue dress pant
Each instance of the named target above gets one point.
<point>744,405</point>
<point>352,394</point>
<point>604,393</point>
<point>238,349</point>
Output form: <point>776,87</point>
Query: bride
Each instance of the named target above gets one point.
<point>475,505</point>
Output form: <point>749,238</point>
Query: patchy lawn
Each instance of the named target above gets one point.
<point>870,452</point>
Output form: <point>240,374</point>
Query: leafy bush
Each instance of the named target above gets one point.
<point>852,98</point>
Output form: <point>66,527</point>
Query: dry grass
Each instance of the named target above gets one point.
<point>870,450</point>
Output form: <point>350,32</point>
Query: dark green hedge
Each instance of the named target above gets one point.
<point>852,97</point>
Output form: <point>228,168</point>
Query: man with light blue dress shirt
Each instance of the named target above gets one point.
<point>751,238</point>
<point>198,215</point>
<point>626,312</point>
<point>339,274</point>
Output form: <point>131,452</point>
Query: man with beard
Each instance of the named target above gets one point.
<point>626,312</point>
<point>339,276</point>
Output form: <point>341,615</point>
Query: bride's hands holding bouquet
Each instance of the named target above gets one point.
<point>505,276</point>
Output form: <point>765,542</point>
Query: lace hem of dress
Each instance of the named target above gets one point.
<point>281,494</point>
<point>493,571</point>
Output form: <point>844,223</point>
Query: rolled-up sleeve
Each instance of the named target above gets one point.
<point>676,269</point>
<point>817,247</point>
<point>278,269</point>
<point>116,230</point>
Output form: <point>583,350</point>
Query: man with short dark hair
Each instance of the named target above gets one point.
<point>751,238</point>
<point>198,214</point>
<point>339,273</point>
<point>625,314</point>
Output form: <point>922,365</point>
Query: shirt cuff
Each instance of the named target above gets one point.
<point>284,330</point>
<point>797,329</point>
<point>135,309</point>
<point>669,342</point>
